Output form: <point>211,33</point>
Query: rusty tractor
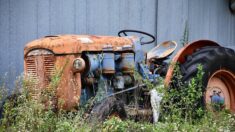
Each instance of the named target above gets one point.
<point>91,64</point>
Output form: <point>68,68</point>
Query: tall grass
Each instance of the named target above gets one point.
<point>180,112</point>
<point>21,112</point>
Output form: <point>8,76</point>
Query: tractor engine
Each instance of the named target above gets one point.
<point>116,70</point>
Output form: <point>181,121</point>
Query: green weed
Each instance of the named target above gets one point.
<point>181,111</point>
<point>182,102</point>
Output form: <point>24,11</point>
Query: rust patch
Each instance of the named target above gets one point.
<point>42,68</point>
<point>108,71</point>
<point>69,88</point>
<point>68,44</point>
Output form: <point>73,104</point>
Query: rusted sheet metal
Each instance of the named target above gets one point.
<point>39,70</point>
<point>43,68</point>
<point>69,88</point>
<point>67,44</point>
<point>180,56</point>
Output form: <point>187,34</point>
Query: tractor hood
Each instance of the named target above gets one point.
<point>69,44</point>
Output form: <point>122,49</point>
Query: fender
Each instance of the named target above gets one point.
<point>182,53</point>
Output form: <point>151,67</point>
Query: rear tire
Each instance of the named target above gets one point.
<point>217,62</point>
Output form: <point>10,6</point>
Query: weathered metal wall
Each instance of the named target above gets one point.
<point>207,19</point>
<point>24,20</point>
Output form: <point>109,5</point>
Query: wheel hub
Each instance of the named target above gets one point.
<point>220,93</point>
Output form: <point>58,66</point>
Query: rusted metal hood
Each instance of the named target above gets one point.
<point>67,44</point>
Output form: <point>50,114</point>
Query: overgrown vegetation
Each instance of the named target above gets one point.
<point>185,38</point>
<point>181,111</point>
<point>183,102</point>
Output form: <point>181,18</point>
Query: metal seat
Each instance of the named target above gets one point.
<point>162,50</point>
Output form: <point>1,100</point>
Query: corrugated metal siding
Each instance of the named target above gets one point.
<point>207,19</point>
<point>22,21</point>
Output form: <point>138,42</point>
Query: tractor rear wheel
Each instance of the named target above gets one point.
<point>218,81</point>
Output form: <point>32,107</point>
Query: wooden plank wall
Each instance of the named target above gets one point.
<point>22,21</point>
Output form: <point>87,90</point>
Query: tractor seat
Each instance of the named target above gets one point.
<point>162,50</point>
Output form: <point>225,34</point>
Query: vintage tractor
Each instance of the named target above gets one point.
<point>90,65</point>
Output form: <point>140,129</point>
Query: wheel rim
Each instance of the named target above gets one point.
<point>221,83</point>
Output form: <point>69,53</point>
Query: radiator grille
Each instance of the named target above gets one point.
<point>31,67</point>
<point>49,69</point>
<point>40,69</point>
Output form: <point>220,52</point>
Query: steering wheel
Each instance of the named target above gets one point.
<point>136,31</point>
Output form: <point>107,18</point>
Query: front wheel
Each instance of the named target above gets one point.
<point>107,108</point>
<point>218,81</point>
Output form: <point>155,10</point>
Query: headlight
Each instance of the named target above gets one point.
<point>79,64</point>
